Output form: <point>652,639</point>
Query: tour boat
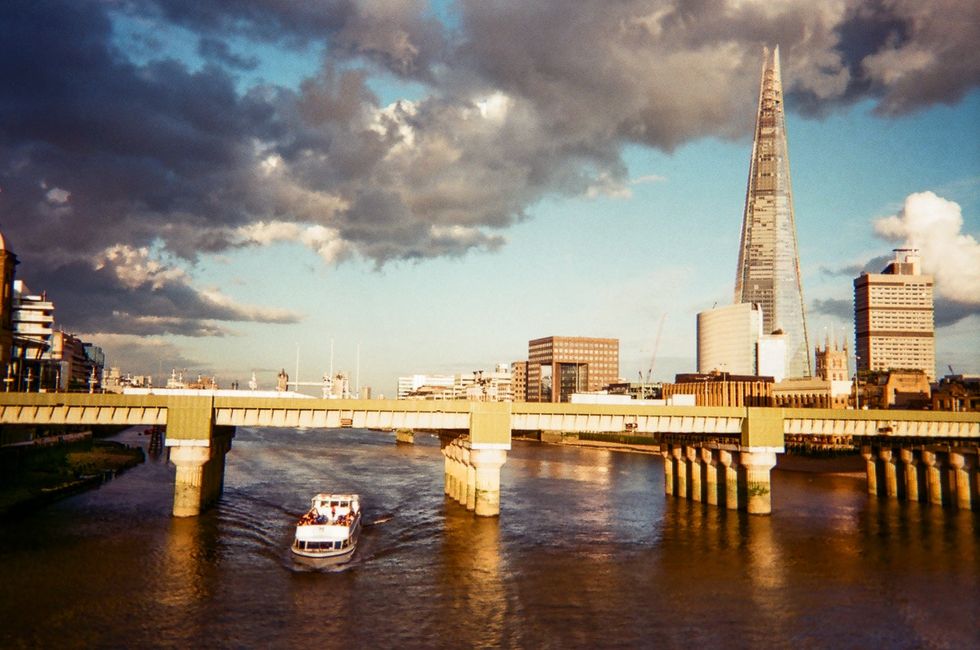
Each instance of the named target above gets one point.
<point>330,529</point>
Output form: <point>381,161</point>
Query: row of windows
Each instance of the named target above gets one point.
<point>322,546</point>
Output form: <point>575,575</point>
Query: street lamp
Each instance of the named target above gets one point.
<point>857,387</point>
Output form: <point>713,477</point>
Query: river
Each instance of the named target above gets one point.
<point>587,552</point>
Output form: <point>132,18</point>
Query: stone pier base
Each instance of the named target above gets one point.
<point>944,475</point>
<point>729,476</point>
<point>473,476</point>
<point>200,477</point>
<point>405,436</point>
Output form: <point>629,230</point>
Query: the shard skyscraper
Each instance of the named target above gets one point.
<point>768,261</point>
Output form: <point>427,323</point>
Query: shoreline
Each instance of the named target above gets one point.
<point>56,471</point>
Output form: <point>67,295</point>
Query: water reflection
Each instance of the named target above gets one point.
<point>471,574</point>
<point>588,552</point>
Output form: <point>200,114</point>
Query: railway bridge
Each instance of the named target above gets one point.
<point>718,455</point>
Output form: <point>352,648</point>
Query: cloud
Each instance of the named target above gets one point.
<point>843,309</point>
<point>128,351</point>
<point>129,291</point>
<point>131,157</point>
<point>934,225</point>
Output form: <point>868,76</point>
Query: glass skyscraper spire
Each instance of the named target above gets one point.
<point>768,261</point>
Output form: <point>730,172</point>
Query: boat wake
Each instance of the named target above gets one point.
<point>380,520</point>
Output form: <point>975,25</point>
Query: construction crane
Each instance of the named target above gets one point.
<point>653,359</point>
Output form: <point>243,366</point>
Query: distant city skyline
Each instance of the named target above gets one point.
<point>439,183</point>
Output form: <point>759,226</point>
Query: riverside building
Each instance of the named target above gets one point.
<point>731,340</point>
<point>768,261</point>
<point>893,317</point>
<point>558,366</point>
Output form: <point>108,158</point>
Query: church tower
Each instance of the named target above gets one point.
<point>832,360</point>
<point>768,260</point>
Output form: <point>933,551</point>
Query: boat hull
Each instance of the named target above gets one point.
<point>301,546</point>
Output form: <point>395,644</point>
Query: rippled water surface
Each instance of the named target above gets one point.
<point>588,552</point>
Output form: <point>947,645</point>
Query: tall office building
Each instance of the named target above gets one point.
<point>893,317</point>
<point>558,366</point>
<point>7,263</point>
<point>768,261</point>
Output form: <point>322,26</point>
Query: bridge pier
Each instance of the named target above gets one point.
<point>939,474</point>
<point>693,459</point>
<point>473,461</point>
<point>730,478</point>
<point>668,471</point>
<point>473,476</point>
<point>755,465</point>
<point>712,491</point>
<point>200,477</point>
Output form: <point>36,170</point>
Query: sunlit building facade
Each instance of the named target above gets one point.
<point>559,366</point>
<point>894,324</point>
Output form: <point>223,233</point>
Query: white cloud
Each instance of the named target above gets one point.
<point>933,225</point>
<point>246,312</point>
<point>135,268</point>
<point>57,195</point>
<point>325,242</point>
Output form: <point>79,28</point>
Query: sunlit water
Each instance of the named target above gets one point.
<point>587,552</point>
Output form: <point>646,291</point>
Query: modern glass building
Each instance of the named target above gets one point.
<point>768,260</point>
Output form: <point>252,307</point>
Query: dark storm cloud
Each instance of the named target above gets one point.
<point>950,312</point>
<point>843,309</point>
<point>874,265</point>
<point>526,99</point>
<point>125,296</point>
<point>947,312</point>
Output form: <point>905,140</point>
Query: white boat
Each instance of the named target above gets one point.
<point>330,529</point>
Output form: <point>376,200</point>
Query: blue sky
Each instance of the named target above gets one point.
<point>525,188</point>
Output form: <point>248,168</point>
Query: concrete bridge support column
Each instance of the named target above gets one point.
<point>668,469</point>
<point>446,471</point>
<point>756,465</point>
<point>728,462</point>
<point>469,474</point>
<point>694,471</point>
<point>220,446</point>
<point>872,469</point>
<point>197,448</point>
<point>963,463</point>
<point>680,471</point>
<point>188,496</point>
<point>937,481</point>
<point>487,464</point>
<point>452,473</point>
<point>489,441</point>
<point>889,465</point>
<point>914,474</point>
<point>709,457</point>
<point>459,473</point>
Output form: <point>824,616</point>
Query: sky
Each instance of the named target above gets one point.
<point>402,186</point>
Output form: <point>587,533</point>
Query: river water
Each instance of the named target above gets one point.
<point>587,552</point>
